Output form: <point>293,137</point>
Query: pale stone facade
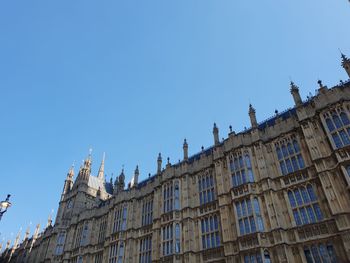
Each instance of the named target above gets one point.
<point>277,192</point>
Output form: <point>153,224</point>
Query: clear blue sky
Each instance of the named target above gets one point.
<point>134,78</point>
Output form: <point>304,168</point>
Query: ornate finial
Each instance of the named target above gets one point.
<point>159,157</point>
<point>168,159</point>
<point>320,83</point>
<point>230,127</point>
<point>251,109</point>
<point>202,148</point>
<point>276,112</point>
<point>293,87</point>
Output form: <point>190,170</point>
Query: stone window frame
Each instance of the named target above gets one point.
<point>304,207</point>
<point>78,235</point>
<point>120,214</point>
<point>242,172</point>
<point>145,252</point>
<point>102,229</point>
<point>207,180</point>
<point>210,231</point>
<point>289,154</point>
<point>250,219</point>
<point>61,239</point>
<point>171,196</point>
<point>336,126</point>
<point>147,211</point>
<point>320,252</point>
<point>167,234</point>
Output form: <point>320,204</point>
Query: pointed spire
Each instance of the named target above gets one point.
<point>49,219</point>
<point>185,149</point>
<point>35,236</point>
<point>252,116</point>
<point>294,90</point>
<point>101,171</point>
<point>26,235</point>
<point>159,163</point>
<point>345,63</point>
<point>121,184</point>
<point>216,134</point>
<point>70,173</point>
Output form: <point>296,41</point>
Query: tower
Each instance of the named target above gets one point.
<point>68,183</point>
<point>159,163</point>
<point>216,134</point>
<point>135,178</point>
<point>345,64</point>
<point>294,90</point>
<point>252,117</point>
<point>185,149</point>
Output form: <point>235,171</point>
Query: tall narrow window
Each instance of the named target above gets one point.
<point>171,196</point>
<point>121,252</point>
<point>120,219</point>
<point>289,156</point>
<point>78,234</point>
<point>177,239</point>
<point>210,232</point>
<point>304,205</point>
<point>247,218</point>
<point>85,236</point>
<point>125,214</point>
<point>206,188</point>
<point>168,197</point>
<point>99,257</point>
<point>146,250</point>
<point>60,243</point>
<point>167,242</point>
<point>102,229</point>
<point>177,196</point>
<point>241,169</point>
<point>113,252</point>
<point>338,126</point>
<point>147,212</point>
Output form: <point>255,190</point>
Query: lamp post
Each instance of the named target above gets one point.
<point>4,205</point>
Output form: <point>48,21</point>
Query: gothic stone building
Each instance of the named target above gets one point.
<point>277,192</point>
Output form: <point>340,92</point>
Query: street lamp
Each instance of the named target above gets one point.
<point>4,205</point>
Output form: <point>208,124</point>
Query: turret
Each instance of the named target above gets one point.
<point>252,117</point>
<point>345,64</point>
<point>85,171</point>
<point>135,179</point>
<point>159,164</point>
<point>216,134</point>
<point>68,183</point>
<point>119,184</point>
<point>101,171</point>
<point>294,90</point>
<point>185,149</point>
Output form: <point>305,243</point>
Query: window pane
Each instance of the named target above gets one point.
<point>311,192</point>
<point>330,124</point>
<point>344,118</point>
<point>318,212</point>
<point>291,199</point>
<point>337,122</point>
<point>304,216</point>
<point>305,196</point>
<point>298,197</point>
<point>315,253</point>
<point>308,256</point>
<point>311,214</point>
<point>336,140</point>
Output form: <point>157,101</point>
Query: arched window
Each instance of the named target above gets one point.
<point>249,216</point>
<point>305,207</point>
<point>338,125</point>
<point>241,170</point>
<point>177,196</point>
<point>289,157</point>
<point>267,258</point>
<point>206,188</point>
